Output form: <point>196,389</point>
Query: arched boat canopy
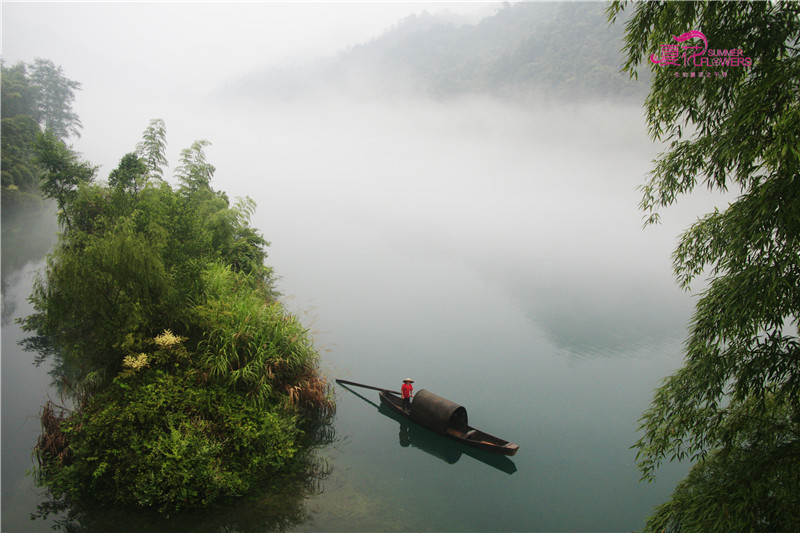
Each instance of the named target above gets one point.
<point>437,413</point>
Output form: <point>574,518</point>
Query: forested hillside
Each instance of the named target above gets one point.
<point>524,50</point>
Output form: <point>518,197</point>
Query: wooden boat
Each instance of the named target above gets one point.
<point>443,417</point>
<point>415,436</point>
<point>448,419</point>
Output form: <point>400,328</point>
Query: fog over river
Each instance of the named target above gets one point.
<point>491,249</point>
<point>535,204</point>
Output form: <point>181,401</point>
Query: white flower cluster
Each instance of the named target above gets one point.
<point>135,362</point>
<point>167,339</point>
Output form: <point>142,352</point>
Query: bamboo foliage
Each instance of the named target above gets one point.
<point>732,408</point>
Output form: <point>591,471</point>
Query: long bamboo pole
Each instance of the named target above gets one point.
<point>354,384</point>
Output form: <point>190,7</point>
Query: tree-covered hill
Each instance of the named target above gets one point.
<point>523,50</point>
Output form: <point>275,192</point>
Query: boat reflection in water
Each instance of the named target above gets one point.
<point>413,435</point>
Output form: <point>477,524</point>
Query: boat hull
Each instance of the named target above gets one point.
<point>464,434</point>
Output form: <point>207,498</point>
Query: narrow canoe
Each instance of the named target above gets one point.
<point>448,419</point>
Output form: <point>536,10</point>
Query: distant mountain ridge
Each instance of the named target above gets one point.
<point>526,49</point>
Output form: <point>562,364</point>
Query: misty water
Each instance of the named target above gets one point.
<point>494,252</point>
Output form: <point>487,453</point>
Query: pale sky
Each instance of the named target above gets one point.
<point>188,42</point>
<point>143,60</point>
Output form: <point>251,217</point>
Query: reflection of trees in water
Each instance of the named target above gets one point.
<point>62,379</point>
<point>65,378</point>
<point>277,506</point>
<point>28,233</point>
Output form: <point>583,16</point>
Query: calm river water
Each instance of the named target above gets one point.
<point>493,254</point>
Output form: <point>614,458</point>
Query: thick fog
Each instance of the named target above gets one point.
<point>539,203</point>
<point>384,197</point>
<point>480,243</point>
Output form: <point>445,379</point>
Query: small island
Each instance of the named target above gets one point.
<point>184,378</point>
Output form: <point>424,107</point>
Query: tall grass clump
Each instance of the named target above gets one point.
<point>252,343</point>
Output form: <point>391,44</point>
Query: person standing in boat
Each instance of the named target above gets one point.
<point>406,390</point>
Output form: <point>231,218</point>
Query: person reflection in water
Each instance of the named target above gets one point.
<point>406,392</point>
<point>405,435</point>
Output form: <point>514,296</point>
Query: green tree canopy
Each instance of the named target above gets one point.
<point>195,172</point>
<point>19,129</point>
<point>734,406</point>
<point>19,169</point>
<point>152,148</point>
<point>18,92</point>
<point>34,97</point>
<point>63,173</point>
<point>132,254</point>
<point>131,175</point>
<point>55,95</point>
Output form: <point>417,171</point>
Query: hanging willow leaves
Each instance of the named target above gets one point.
<point>734,406</point>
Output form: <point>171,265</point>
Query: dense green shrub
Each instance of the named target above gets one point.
<point>160,437</point>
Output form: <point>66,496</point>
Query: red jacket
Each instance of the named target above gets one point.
<point>406,390</point>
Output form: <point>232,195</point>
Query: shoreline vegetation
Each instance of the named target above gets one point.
<point>190,381</point>
<point>184,379</point>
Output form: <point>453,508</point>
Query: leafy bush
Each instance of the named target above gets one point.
<point>160,437</point>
